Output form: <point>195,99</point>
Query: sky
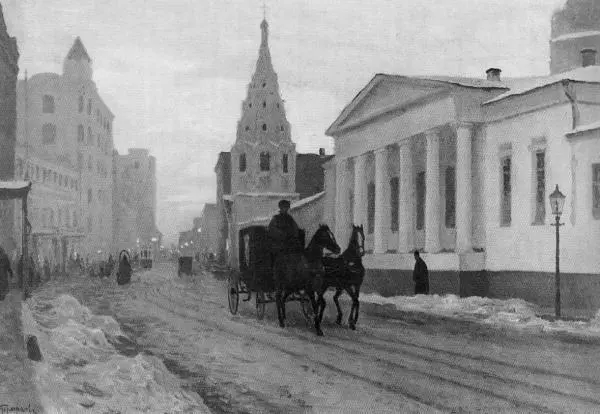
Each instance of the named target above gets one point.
<point>175,72</point>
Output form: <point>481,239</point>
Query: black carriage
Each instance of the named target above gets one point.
<point>185,266</point>
<point>255,273</point>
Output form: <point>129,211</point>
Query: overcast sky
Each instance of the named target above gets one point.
<point>174,72</point>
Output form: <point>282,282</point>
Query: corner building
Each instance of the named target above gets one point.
<point>461,169</point>
<point>65,146</point>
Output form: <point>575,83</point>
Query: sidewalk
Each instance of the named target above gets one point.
<point>17,390</point>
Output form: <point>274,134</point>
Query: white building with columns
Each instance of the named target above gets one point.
<point>461,169</point>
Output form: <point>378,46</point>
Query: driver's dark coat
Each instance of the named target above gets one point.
<point>284,234</point>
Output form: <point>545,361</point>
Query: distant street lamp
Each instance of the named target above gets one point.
<point>557,202</point>
<point>199,230</point>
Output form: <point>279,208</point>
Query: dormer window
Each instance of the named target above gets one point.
<point>48,104</point>
<point>264,104</point>
<point>265,161</point>
<point>264,127</point>
<point>242,163</point>
<point>284,163</point>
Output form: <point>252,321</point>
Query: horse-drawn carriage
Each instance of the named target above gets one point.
<point>255,273</point>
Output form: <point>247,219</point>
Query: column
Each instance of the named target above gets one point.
<point>406,226</point>
<point>342,225</point>
<point>432,193</point>
<point>464,211</point>
<point>382,201</point>
<point>360,190</point>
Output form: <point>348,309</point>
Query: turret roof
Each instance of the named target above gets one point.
<point>78,51</point>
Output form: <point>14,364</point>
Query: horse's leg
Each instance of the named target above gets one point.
<point>319,306</point>
<point>351,317</point>
<point>357,306</point>
<point>280,314</point>
<point>283,300</point>
<point>338,292</point>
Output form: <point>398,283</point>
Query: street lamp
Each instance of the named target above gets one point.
<point>557,201</point>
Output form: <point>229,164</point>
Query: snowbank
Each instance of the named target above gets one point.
<point>82,369</point>
<point>513,313</point>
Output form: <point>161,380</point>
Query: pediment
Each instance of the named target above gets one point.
<point>382,94</point>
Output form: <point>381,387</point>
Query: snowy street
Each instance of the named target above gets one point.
<point>216,362</point>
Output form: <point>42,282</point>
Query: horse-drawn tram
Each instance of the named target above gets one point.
<point>255,274</point>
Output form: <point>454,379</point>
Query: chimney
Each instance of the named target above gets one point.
<point>493,74</point>
<point>588,57</point>
<point>321,152</point>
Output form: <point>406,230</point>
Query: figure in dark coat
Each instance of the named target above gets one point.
<point>284,232</point>
<point>47,272</point>
<point>5,271</point>
<point>124,272</point>
<point>420,276</point>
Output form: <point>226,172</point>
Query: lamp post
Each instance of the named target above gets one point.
<point>557,201</point>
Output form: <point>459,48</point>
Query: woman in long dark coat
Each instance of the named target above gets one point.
<point>5,270</point>
<point>124,272</point>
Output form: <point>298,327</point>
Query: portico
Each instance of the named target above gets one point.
<point>405,170</point>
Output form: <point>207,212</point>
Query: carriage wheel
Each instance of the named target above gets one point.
<point>233,290</point>
<point>260,305</point>
<point>307,309</point>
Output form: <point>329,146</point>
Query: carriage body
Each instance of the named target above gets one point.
<point>185,265</point>
<point>255,270</point>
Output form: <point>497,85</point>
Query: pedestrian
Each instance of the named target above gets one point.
<point>47,272</point>
<point>5,271</point>
<point>420,275</point>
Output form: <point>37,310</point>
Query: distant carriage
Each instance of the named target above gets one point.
<point>185,266</point>
<point>255,273</point>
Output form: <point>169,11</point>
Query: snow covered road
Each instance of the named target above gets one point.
<point>397,363</point>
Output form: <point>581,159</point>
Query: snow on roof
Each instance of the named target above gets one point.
<point>576,35</point>
<point>14,185</point>
<point>295,206</point>
<point>522,86</point>
<point>585,128</point>
<point>463,81</point>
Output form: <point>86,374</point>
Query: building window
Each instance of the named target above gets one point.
<point>247,128</point>
<point>596,190</point>
<point>75,219</point>
<point>420,187</point>
<point>250,105</point>
<point>89,226</point>
<point>540,187</point>
<point>80,133</point>
<point>136,165</point>
<point>371,208</point>
<point>48,104</point>
<point>99,140</point>
<point>264,84</point>
<point>264,127</point>
<point>51,218</point>
<point>37,173</point>
<point>90,163</point>
<point>265,161</point>
<point>49,133</point>
<point>450,186</point>
<point>506,203</point>
<point>242,162</point>
<point>284,162</point>
<point>588,57</point>
<point>89,106</point>
<point>394,203</point>
<point>90,196</point>
<point>81,104</point>
<point>60,180</point>
<point>277,104</point>
<point>55,178</point>
<point>90,136</point>
<point>264,104</point>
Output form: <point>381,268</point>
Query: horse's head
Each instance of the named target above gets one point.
<point>325,238</point>
<point>357,240</point>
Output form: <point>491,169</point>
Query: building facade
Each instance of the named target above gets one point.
<point>65,144</point>
<point>9,69</point>
<point>135,199</point>
<point>461,169</point>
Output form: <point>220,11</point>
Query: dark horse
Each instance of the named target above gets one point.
<point>124,272</point>
<point>344,273</point>
<point>303,271</point>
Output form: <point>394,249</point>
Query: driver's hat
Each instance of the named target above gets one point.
<point>284,203</point>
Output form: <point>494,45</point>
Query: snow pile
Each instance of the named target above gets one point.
<point>80,368</point>
<point>513,313</point>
